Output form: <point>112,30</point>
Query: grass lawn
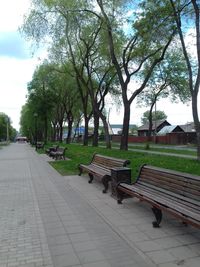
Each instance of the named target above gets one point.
<point>158,148</point>
<point>81,154</point>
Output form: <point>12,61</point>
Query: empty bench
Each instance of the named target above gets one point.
<point>52,149</point>
<point>59,153</point>
<point>100,167</point>
<point>165,190</point>
<point>39,145</point>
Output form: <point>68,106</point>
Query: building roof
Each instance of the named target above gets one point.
<point>188,127</point>
<point>156,124</point>
<point>170,129</point>
<point>120,126</point>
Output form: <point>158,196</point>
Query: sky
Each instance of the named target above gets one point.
<point>16,62</point>
<point>17,65</point>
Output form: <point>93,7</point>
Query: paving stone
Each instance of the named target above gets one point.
<point>61,249</point>
<point>161,256</point>
<point>97,264</point>
<point>54,221</point>
<point>66,260</point>
<point>90,256</point>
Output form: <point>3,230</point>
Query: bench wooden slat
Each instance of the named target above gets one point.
<point>184,187</point>
<point>171,194</point>
<point>59,153</point>
<point>173,178</point>
<point>100,166</point>
<point>183,190</point>
<point>172,191</point>
<point>174,198</point>
<point>153,198</point>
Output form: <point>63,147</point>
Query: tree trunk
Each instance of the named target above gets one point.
<point>125,130</point>
<point>68,139</point>
<point>150,123</point>
<point>106,129</point>
<point>45,129</point>
<point>196,122</point>
<point>85,137</point>
<point>60,132</point>
<point>96,130</point>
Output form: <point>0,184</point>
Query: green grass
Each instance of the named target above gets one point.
<point>81,154</point>
<point>159,149</point>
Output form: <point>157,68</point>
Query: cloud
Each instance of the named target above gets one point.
<point>12,45</point>
<point>15,74</point>
<point>12,13</point>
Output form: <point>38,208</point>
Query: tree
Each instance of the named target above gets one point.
<point>6,129</point>
<point>41,98</point>
<point>145,47</point>
<point>187,13</point>
<point>168,80</point>
<point>156,115</point>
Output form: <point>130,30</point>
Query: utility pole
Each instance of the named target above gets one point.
<point>7,130</point>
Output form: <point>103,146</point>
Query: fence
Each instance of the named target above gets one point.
<point>170,138</point>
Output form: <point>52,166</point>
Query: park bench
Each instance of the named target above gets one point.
<point>53,148</point>
<point>39,145</point>
<point>100,167</point>
<point>59,153</point>
<point>165,190</point>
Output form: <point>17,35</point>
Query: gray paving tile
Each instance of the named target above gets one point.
<point>54,221</point>
<point>66,260</point>
<point>75,229</point>
<point>58,240</point>
<point>160,256</point>
<point>97,264</point>
<point>79,237</point>
<point>61,249</point>
<point>90,256</point>
<point>84,246</point>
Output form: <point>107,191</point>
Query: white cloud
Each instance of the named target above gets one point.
<point>15,74</point>
<point>11,14</point>
<point>16,63</point>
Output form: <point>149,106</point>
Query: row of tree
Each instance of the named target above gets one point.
<point>7,132</point>
<point>123,48</point>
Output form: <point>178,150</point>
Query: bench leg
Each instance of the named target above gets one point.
<point>120,196</point>
<point>80,170</point>
<point>91,178</point>
<point>105,180</point>
<point>158,215</point>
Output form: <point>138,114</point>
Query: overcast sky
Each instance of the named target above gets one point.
<point>17,66</point>
<point>16,63</point>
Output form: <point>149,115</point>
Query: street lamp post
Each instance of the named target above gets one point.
<point>7,129</point>
<point>35,116</point>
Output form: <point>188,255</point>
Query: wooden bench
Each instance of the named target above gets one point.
<point>39,145</point>
<point>51,149</point>
<point>165,190</point>
<point>100,167</point>
<point>59,153</point>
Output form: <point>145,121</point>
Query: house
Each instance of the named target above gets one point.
<point>170,129</point>
<point>188,127</point>
<point>156,127</point>
<point>117,128</point>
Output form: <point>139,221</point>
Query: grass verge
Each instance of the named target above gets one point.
<point>81,154</point>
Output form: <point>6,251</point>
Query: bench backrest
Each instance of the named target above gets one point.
<point>184,184</point>
<point>61,149</point>
<point>109,162</point>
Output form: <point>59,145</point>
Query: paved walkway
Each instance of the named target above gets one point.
<point>54,221</point>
